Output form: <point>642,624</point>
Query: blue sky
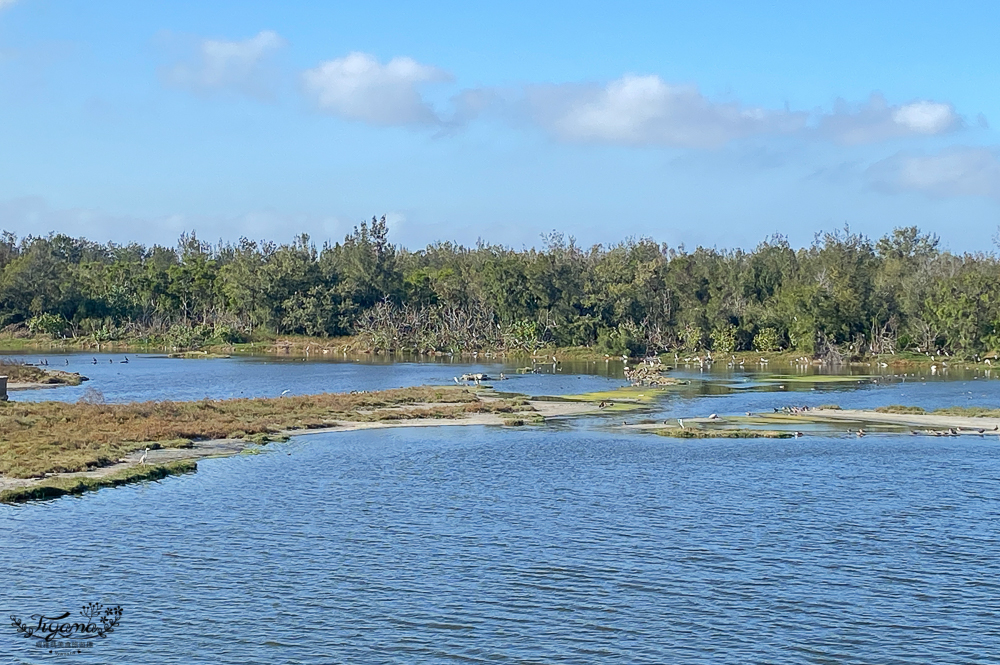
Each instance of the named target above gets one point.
<point>711,124</point>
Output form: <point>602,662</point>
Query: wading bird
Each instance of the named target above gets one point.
<point>142,460</point>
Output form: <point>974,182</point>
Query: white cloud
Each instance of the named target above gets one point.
<point>359,87</point>
<point>229,65</point>
<point>4,4</point>
<point>645,110</point>
<point>960,171</point>
<point>877,120</point>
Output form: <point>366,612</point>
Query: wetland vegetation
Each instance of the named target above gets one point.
<point>38,438</point>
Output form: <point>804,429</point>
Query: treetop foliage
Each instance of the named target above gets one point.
<point>842,292</point>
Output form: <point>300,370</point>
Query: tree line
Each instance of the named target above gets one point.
<point>842,294</point>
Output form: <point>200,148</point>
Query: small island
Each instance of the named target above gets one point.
<point>15,375</point>
<point>48,449</point>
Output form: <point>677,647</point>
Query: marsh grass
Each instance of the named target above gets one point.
<point>678,433</point>
<point>899,408</point>
<point>49,437</point>
<point>522,419</point>
<point>56,487</point>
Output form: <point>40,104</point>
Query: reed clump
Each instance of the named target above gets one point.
<point>51,437</point>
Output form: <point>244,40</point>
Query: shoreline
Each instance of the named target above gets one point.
<point>353,347</point>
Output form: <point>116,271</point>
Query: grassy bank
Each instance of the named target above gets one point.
<point>51,437</point>
<point>55,487</point>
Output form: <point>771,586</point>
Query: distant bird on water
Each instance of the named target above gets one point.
<point>125,362</point>
<point>142,460</point>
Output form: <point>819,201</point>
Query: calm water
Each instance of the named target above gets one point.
<point>567,544</point>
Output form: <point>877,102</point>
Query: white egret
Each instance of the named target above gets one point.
<point>142,460</point>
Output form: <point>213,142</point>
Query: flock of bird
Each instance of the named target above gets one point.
<point>44,362</point>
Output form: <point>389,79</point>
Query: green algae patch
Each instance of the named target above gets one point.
<point>621,399</point>
<point>57,487</point>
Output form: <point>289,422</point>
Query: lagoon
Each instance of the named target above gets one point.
<point>568,542</point>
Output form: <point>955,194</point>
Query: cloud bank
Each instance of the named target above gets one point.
<point>236,66</point>
<point>359,87</point>
<point>958,171</point>
<point>877,120</point>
